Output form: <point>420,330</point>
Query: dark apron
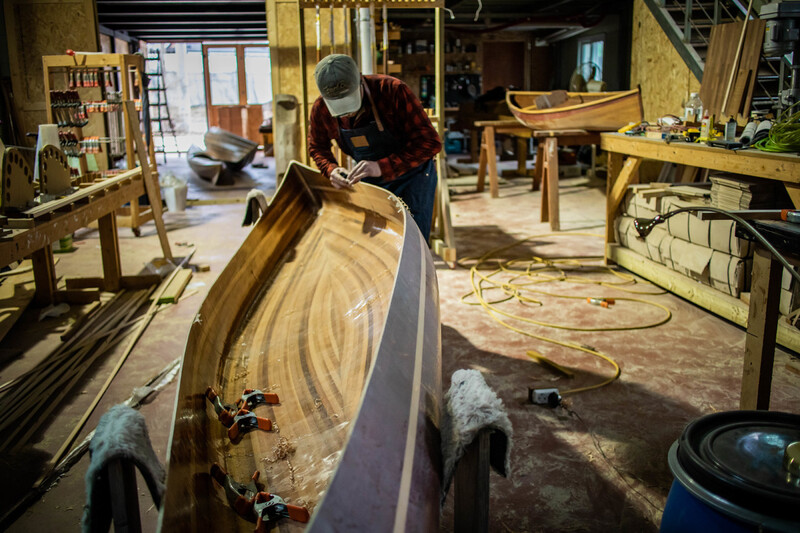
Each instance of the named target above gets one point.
<point>417,187</point>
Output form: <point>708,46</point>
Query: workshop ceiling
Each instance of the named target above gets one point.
<point>209,20</point>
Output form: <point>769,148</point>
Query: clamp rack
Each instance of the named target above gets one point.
<point>113,79</point>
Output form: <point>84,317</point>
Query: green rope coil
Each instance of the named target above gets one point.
<point>784,136</point>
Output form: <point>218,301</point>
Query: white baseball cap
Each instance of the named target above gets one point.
<point>339,82</point>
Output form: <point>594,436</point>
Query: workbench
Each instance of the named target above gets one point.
<point>625,154</point>
<point>33,235</point>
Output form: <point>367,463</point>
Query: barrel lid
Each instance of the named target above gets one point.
<point>740,456</point>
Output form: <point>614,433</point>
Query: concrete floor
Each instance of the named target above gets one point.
<point>596,464</point>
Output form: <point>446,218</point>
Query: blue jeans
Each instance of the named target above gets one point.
<point>417,188</point>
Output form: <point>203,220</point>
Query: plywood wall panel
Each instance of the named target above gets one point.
<point>657,67</point>
<point>43,27</point>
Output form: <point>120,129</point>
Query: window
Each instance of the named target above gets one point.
<point>590,55</point>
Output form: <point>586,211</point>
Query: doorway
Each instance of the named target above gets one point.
<point>238,86</point>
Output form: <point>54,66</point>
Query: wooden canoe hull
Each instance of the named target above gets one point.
<point>332,303</point>
<point>607,111</point>
<point>204,165</point>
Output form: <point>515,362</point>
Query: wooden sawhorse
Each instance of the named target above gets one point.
<point>546,169</point>
<point>488,155</point>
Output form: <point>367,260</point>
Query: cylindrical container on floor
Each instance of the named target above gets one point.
<point>735,472</point>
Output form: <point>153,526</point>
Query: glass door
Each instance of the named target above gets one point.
<point>238,87</point>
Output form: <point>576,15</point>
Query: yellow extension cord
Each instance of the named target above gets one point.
<point>534,274</point>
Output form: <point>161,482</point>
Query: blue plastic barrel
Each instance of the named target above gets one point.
<point>731,475</point>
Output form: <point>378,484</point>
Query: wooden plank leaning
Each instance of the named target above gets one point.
<point>153,193</point>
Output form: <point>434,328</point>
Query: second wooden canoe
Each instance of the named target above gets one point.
<point>606,111</point>
<point>332,303</point>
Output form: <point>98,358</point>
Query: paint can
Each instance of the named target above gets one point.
<point>735,472</point>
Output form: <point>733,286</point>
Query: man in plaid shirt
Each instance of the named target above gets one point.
<point>381,124</point>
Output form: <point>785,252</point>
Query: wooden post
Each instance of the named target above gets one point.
<point>617,193</point>
<point>124,496</point>
<point>44,275</point>
<point>471,487</point>
<point>538,170</point>
<point>550,209</point>
<point>491,161</point>
<point>762,325</point>
<point>151,187</point>
<point>482,161</point>
<point>109,249</point>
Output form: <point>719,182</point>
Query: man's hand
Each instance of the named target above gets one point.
<point>339,178</point>
<point>365,169</point>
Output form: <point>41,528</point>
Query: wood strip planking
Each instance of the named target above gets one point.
<point>310,331</point>
<point>173,291</point>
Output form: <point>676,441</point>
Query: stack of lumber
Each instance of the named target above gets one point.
<point>707,251</point>
<point>734,193</point>
<point>29,399</point>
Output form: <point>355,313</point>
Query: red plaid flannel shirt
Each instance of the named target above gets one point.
<point>401,114</point>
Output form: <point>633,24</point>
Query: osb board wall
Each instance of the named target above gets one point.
<point>657,67</point>
<point>283,21</point>
<point>43,27</point>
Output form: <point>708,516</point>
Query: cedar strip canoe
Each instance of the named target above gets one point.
<point>606,111</point>
<point>203,164</point>
<point>332,303</point>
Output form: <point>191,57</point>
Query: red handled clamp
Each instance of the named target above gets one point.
<point>257,506</point>
<point>244,422</point>
<point>239,420</point>
<point>225,412</point>
<point>252,398</point>
<point>270,508</point>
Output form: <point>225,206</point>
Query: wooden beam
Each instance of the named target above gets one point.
<point>109,250</point>
<point>626,176</point>
<point>752,162</point>
<point>762,324</point>
<point>707,297</point>
<point>150,185</point>
<point>471,486</point>
<point>44,274</point>
<point>75,198</point>
<point>23,243</point>
<point>175,288</point>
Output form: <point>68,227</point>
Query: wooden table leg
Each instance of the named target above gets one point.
<point>762,325</point>
<point>44,276</point>
<point>482,163</point>
<point>550,181</point>
<point>491,161</point>
<point>109,247</point>
<point>618,187</point>
<point>522,155</point>
<point>793,190</point>
<point>538,167</point>
<point>473,145</point>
